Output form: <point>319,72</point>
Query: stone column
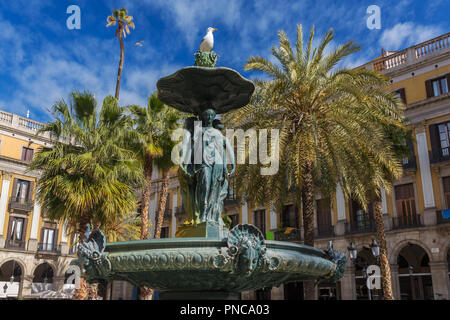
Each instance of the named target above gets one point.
<point>174,219</point>
<point>4,205</point>
<point>387,221</point>
<point>58,283</point>
<point>245,213</point>
<point>348,284</point>
<point>339,226</point>
<point>439,276</point>
<point>152,214</point>
<point>429,213</point>
<point>277,293</point>
<point>395,282</point>
<point>26,286</point>
<point>64,243</point>
<point>33,241</point>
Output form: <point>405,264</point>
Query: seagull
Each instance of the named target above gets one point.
<point>208,40</point>
<point>139,44</point>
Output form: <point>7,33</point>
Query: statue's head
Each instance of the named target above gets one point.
<point>208,116</point>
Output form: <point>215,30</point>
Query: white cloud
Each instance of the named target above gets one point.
<point>406,34</point>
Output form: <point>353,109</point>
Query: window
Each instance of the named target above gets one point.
<point>22,192</point>
<point>401,94</point>
<point>437,87</point>
<point>48,237</point>
<point>289,216</point>
<point>405,200</point>
<point>16,233</point>
<point>27,154</point>
<point>259,217</point>
<point>444,137</point>
<point>324,216</point>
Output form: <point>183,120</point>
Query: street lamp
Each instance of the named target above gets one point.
<point>11,279</point>
<point>353,252</point>
<point>375,248</point>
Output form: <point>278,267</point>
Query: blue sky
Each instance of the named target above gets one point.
<point>42,61</point>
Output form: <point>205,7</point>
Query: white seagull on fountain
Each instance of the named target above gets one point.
<point>208,41</point>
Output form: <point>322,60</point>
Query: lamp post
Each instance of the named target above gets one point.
<point>353,252</point>
<point>411,271</point>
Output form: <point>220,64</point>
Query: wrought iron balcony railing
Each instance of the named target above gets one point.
<point>408,221</point>
<point>48,247</point>
<point>410,163</point>
<point>179,211</point>
<point>440,219</point>
<point>365,226</point>
<point>289,234</point>
<point>19,203</point>
<point>15,244</point>
<point>325,232</point>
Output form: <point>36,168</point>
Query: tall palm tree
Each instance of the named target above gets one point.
<point>151,144</point>
<point>330,123</point>
<point>88,176</point>
<point>124,22</point>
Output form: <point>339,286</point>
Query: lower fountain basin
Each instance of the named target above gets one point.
<point>242,261</point>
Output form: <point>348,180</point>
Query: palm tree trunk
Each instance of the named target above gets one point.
<point>148,168</point>
<point>122,54</point>
<point>384,263</point>
<point>144,292</point>
<point>82,292</point>
<point>162,204</point>
<point>308,221</point>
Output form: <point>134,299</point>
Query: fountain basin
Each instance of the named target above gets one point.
<point>242,261</point>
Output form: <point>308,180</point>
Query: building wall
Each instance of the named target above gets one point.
<point>17,132</point>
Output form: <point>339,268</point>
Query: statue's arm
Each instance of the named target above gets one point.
<point>230,156</point>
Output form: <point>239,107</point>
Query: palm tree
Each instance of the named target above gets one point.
<point>124,22</point>
<point>330,122</point>
<point>151,144</point>
<point>88,176</point>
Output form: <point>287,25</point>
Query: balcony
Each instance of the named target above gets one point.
<point>440,219</point>
<point>15,244</point>
<point>48,247</point>
<point>167,213</point>
<point>411,55</point>
<point>405,222</point>
<point>288,234</point>
<point>325,232</point>
<point>19,203</point>
<point>364,226</point>
<point>409,163</point>
<point>180,211</point>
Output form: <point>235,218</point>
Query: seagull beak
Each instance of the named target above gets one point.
<point>214,29</point>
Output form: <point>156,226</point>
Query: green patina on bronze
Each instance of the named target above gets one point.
<point>206,59</point>
<point>243,261</point>
<point>206,259</point>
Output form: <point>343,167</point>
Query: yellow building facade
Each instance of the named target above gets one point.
<point>34,251</point>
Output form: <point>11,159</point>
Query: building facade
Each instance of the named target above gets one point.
<point>35,252</point>
<point>417,220</point>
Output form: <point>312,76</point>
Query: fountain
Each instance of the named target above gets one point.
<point>206,260</point>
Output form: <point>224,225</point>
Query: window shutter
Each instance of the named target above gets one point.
<point>14,190</point>
<point>429,88</point>
<point>55,239</point>
<point>41,239</point>
<point>447,76</point>
<point>30,191</point>
<point>435,143</point>
<point>9,227</point>
<point>24,154</point>
<point>24,231</point>
<point>410,145</point>
<point>403,95</point>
